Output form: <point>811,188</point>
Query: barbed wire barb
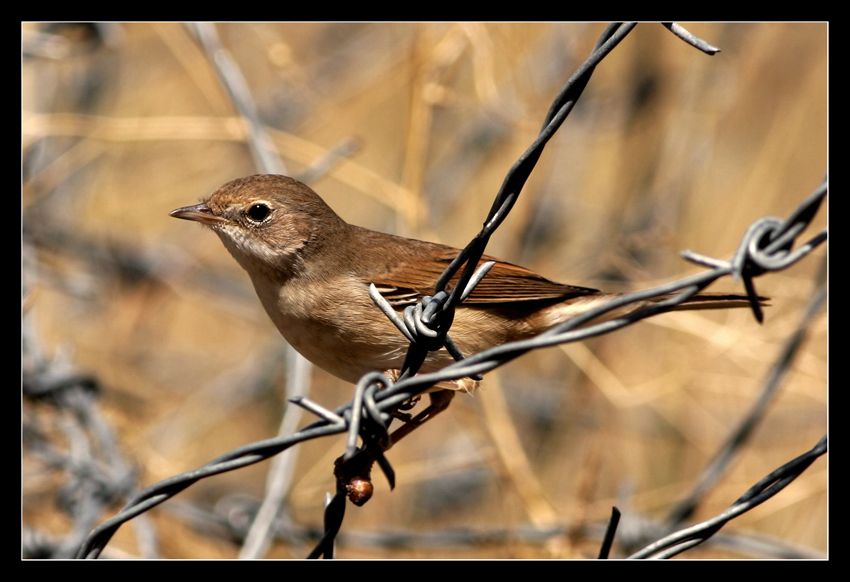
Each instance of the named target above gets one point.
<point>693,40</point>
<point>318,410</point>
<point>429,322</point>
<point>610,533</point>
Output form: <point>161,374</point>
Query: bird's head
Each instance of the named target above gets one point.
<point>269,223</point>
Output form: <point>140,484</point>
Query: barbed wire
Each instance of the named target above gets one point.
<point>749,261</point>
<point>732,445</point>
<point>229,519</point>
<point>610,532</point>
<point>435,314</point>
<point>297,382</point>
<point>764,489</point>
<point>768,245</point>
<point>741,433</point>
<point>76,443</point>
<point>268,161</point>
<point>95,470</point>
<point>95,475</point>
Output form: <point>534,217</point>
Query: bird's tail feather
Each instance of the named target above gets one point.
<point>710,300</point>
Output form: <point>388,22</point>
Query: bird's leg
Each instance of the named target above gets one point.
<point>439,402</point>
<point>401,412</point>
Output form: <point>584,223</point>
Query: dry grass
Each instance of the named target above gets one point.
<point>668,149</point>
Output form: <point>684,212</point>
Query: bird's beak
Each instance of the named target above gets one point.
<point>199,213</point>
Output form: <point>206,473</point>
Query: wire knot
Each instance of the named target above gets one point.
<point>767,246</point>
<point>428,321</point>
<point>426,324</point>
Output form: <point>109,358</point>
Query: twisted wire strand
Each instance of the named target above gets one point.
<point>765,247</point>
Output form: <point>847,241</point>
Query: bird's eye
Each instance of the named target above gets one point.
<point>258,212</point>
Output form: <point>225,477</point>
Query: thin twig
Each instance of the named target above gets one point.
<point>282,469</point>
<point>297,383</point>
<point>431,319</point>
<point>262,146</point>
<point>230,524</point>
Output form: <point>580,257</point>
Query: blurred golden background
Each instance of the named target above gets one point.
<point>410,128</point>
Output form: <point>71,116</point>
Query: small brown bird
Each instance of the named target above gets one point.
<point>312,271</point>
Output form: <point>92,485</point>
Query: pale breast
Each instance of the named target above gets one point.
<point>342,331</point>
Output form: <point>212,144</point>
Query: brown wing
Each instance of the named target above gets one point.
<point>405,284</point>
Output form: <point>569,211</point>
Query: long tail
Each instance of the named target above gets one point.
<point>710,300</point>
<point>579,305</point>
